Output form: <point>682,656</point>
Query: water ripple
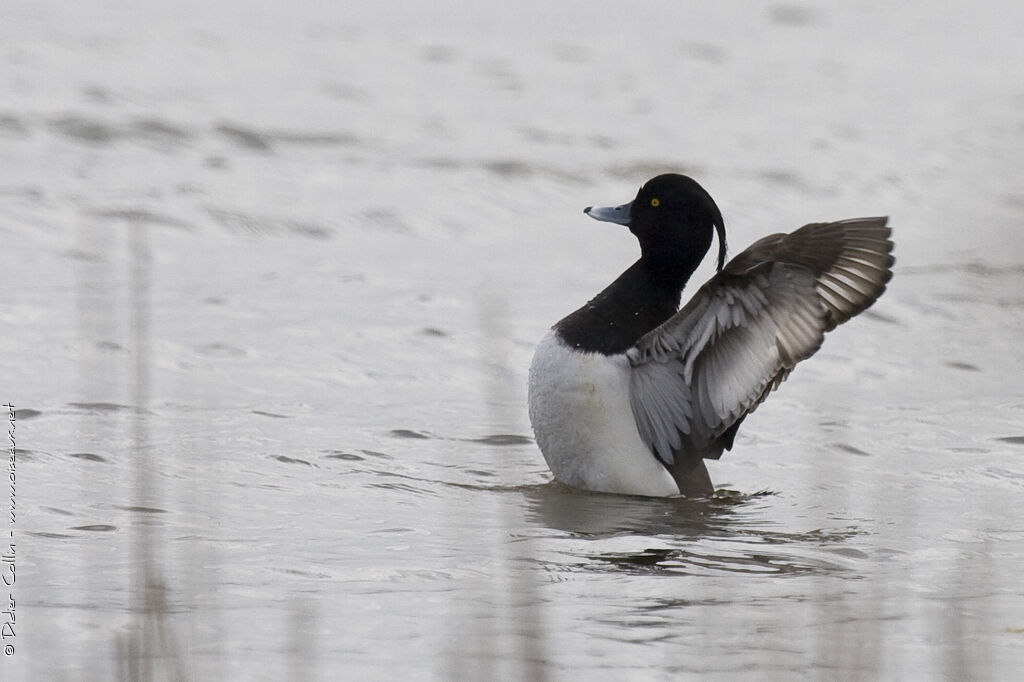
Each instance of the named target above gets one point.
<point>88,456</point>
<point>698,561</point>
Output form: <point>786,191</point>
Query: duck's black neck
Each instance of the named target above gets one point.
<point>641,298</point>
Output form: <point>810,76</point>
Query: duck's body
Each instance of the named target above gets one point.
<point>627,395</point>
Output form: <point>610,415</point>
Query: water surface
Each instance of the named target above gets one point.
<point>272,279</point>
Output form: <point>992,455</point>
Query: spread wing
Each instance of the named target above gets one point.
<point>700,373</point>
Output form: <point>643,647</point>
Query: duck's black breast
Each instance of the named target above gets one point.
<point>613,321</point>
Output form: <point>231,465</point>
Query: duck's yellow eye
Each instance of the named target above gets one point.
<point>655,202</point>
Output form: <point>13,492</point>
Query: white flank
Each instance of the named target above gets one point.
<point>579,408</point>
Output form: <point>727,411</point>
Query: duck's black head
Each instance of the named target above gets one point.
<point>674,219</point>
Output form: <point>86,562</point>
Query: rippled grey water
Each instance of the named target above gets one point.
<point>272,274</point>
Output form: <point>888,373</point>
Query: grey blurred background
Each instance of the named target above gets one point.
<point>272,274</point>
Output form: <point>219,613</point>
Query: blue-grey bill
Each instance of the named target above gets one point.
<point>611,214</point>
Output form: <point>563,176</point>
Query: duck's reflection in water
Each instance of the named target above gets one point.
<point>722,533</point>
